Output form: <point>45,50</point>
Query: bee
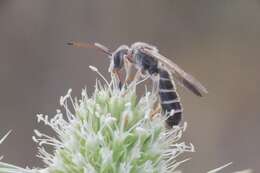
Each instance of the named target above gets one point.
<point>147,59</point>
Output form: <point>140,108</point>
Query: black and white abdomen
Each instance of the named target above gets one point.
<point>170,101</point>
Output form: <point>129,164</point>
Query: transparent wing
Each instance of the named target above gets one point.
<point>185,79</point>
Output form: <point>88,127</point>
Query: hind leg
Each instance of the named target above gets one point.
<point>155,89</point>
<point>156,111</point>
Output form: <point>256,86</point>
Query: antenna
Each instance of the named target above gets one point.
<point>97,46</point>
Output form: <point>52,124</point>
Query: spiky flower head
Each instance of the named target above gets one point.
<point>111,131</point>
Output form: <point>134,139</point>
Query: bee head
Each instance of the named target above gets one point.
<point>118,57</point>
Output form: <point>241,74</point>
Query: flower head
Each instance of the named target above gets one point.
<point>111,131</point>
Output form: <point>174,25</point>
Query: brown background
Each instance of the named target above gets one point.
<point>216,40</point>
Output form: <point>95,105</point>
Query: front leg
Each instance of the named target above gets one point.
<point>119,77</point>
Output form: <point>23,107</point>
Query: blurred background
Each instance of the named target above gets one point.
<point>216,41</point>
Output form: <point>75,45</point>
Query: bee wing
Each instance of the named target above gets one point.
<point>185,79</point>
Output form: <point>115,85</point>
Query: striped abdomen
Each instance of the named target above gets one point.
<point>170,101</point>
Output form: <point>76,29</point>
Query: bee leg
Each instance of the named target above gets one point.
<point>128,68</point>
<point>142,73</point>
<point>155,82</point>
<point>137,76</point>
<point>155,112</point>
<point>119,77</point>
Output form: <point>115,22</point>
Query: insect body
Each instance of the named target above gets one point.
<point>147,59</point>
